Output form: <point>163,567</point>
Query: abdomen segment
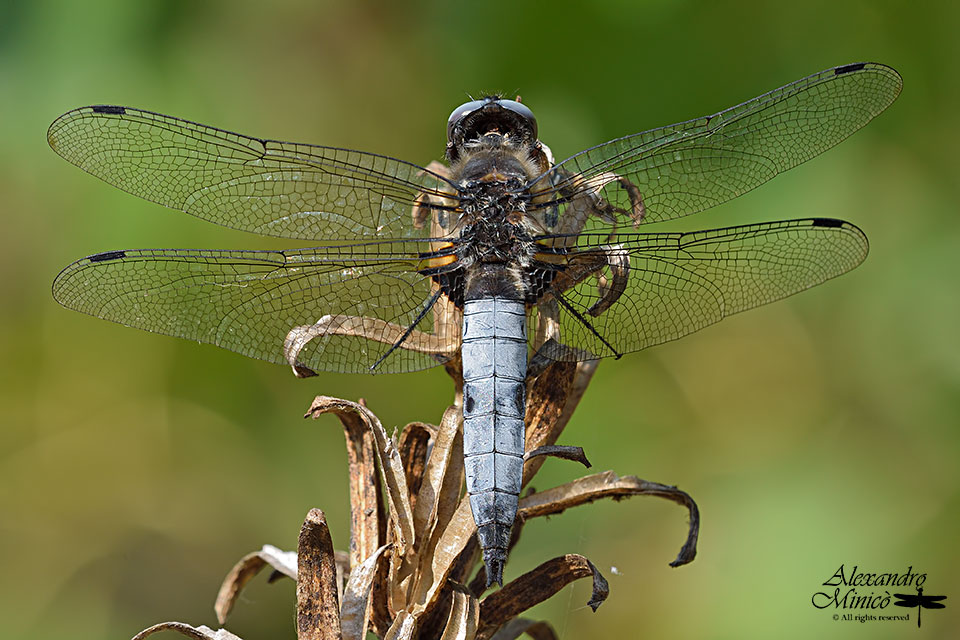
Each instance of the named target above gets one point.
<point>494,370</point>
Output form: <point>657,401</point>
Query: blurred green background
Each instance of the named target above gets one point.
<point>819,431</point>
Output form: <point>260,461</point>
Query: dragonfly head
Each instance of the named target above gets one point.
<point>491,115</point>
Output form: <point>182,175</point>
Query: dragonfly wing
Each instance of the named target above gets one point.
<point>684,168</point>
<point>273,188</point>
<point>662,286</point>
<point>248,301</point>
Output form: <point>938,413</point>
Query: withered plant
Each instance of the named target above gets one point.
<point>414,568</point>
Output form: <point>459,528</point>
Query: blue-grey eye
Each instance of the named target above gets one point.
<point>459,113</point>
<point>474,118</point>
<point>523,111</point>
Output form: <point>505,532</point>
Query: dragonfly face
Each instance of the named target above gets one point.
<point>472,120</point>
<point>499,256</point>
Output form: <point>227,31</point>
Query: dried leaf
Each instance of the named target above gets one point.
<point>397,587</point>
<point>610,485</point>
<point>380,615</point>
<point>440,489</point>
<point>452,541</point>
<point>355,610</point>
<point>342,559</point>
<point>465,562</point>
<point>343,566</point>
<point>581,379</point>
<point>438,501</point>
<point>414,444</point>
<point>464,616</point>
<point>285,561</point>
<point>454,369</point>
<point>372,329</point>
<point>367,520</point>
<point>551,401</point>
<point>575,454</point>
<point>534,587</point>
<point>479,583</point>
<point>249,566</point>
<point>546,399</point>
<point>318,612</point>
<point>403,628</point>
<point>401,515</point>
<point>433,621</point>
<point>538,630</point>
<point>198,633</point>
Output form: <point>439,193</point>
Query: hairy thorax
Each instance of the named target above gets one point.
<point>496,236</point>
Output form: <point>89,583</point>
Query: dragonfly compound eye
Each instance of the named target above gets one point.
<point>476,118</point>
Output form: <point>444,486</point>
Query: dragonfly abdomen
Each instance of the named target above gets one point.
<point>494,369</point>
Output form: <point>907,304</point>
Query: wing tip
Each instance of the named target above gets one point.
<point>877,68</point>
<point>851,230</point>
<point>55,126</point>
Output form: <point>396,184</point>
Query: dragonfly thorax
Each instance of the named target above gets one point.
<point>491,175</point>
<point>495,156</point>
<point>495,237</point>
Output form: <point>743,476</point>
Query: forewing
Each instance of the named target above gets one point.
<point>248,301</point>
<point>691,166</point>
<point>677,283</point>
<point>273,188</point>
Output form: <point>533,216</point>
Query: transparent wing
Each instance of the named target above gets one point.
<point>666,285</point>
<point>282,189</point>
<point>248,301</point>
<point>684,168</point>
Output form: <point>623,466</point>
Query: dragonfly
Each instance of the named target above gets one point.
<point>919,601</point>
<point>499,259</point>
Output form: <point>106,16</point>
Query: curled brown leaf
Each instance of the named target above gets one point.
<point>581,378</point>
<point>355,610</point>
<point>372,329</point>
<point>565,452</point>
<point>198,633</point>
<point>452,541</point>
<point>413,444</point>
<point>534,587</point>
<point>464,616</point>
<point>538,630</point>
<point>249,566</point>
<point>404,627</point>
<point>440,488</point>
<point>546,398</point>
<point>367,520</point>
<point>391,467</point>
<point>610,485</point>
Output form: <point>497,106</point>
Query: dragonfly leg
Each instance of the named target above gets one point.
<point>610,265</point>
<point>613,286</point>
<point>552,350</point>
<point>584,200</point>
<point>406,334</point>
<point>433,208</point>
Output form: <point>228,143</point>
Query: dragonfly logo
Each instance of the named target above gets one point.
<point>865,597</point>
<point>919,601</point>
